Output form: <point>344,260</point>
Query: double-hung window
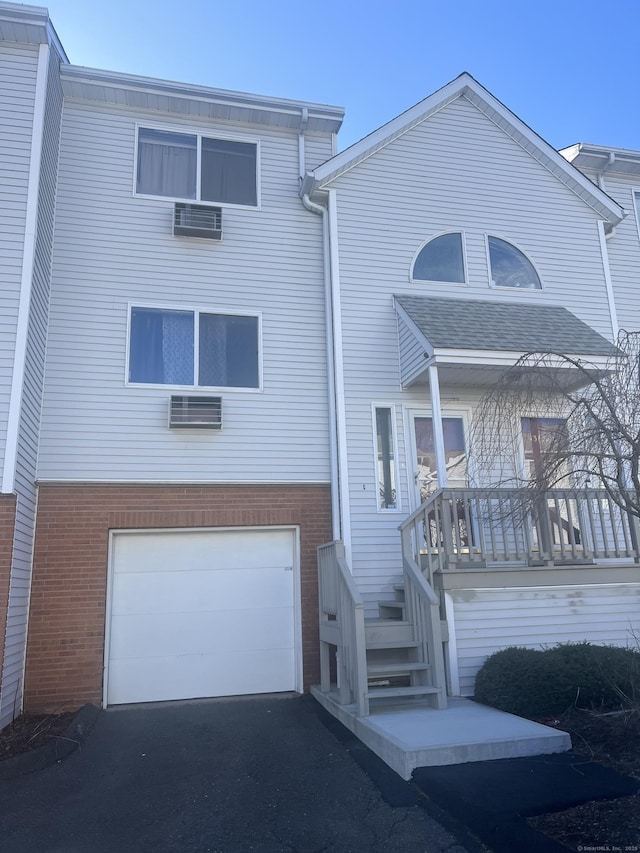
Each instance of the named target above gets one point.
<point>192,167</point>
<point>193,348</point>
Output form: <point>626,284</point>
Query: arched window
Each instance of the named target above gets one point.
<point>441,259</point>
<point>510,267</point>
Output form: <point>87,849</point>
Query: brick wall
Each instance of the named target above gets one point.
<point>7,523</point>
<point>65,650</point>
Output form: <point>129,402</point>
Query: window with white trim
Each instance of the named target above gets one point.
<point>385,459</point>
<point>510,267</point>
<point>441,259</point>
<point>192,167</point>
<point>193,348</point>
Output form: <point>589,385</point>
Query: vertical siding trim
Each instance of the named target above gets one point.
<point>615,328</point>
<point>452,646</point>
<point>341,416</point>
<point>28,260</point>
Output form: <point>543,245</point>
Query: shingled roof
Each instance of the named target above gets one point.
<point>474,324</point>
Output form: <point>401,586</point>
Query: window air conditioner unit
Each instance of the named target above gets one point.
<point>196,220</point>
<point>195,413</point>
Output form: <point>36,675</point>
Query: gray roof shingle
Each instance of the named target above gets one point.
<point>475,324</point>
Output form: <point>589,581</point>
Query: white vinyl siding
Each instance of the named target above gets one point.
<point>18,67</point>
<point>487,620</point>
<point>456,171</point>
<point>317,149</point>
<point>113,250</point>
<point>412,353</point>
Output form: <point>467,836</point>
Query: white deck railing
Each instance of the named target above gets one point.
<point>465,527</point>
<point>342,625</point>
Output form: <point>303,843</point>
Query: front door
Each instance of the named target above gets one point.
<point>425,473</point>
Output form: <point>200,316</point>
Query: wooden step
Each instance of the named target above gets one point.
<point>400,605</point>
<point>397,692</point>
<point>395,644</point>
<point>382,631</point>
<point>400,668</point>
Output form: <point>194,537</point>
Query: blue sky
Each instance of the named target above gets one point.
<point>570,70</point>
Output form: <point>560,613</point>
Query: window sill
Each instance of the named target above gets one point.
<point>173,200</point>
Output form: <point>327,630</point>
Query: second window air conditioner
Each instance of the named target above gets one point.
<point>196,220</point>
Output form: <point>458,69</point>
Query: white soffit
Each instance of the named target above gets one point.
<point>110,87</point>
<point>28,25</point>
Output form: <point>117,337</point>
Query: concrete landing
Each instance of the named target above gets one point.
<point>410,736</point>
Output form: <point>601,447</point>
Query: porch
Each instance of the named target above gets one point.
<point>395,679</point>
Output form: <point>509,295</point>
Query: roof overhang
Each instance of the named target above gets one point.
<point>28,25</point>
<point>600,158</point>
<point>481,364</point>
<point>110,87</point>
<point>465,86</point>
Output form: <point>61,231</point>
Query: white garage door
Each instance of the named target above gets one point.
<point>201,613</point>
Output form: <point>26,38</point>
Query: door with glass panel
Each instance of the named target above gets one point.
<point>558,525</point>
<point>447,525</point>
<point>425,471</point>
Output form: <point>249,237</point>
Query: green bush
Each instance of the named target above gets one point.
<point>603,677</point>
<point>522,681</point>
<point>535,683</point>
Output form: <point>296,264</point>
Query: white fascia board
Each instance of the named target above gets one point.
<point>492,358</point>
<point>373,142</point>
<point>317,113</point>
<point>496,111</point>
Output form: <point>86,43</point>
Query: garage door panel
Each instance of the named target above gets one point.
<point>166,551</point>
<point>198,676</point>
<point>179,633</point>
<point>201,613</point>
<point>213,590</point>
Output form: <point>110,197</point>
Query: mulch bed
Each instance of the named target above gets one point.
<point>27,733</point>
<point>611,739</point>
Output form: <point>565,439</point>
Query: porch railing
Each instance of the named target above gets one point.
<point>342,625</point>
<point>458,528</point>
<point>422,607</point>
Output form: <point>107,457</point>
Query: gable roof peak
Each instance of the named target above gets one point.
<point>466,85</point>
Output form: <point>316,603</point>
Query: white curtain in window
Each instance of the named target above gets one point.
<point>167,164</point>
<point>177,348</point>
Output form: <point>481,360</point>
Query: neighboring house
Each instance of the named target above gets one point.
<point>30,110</point>
<point>256,347</point>
<point>617,172</point>
<point>216,309</point>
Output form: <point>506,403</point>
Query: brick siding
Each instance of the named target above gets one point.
<point>65,650</point>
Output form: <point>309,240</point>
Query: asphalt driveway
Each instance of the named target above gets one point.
<point>252,774</point>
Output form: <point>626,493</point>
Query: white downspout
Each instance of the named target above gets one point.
<point>438,432</point>
<point>611,159</point>
<point>341,417</point>
<point>604,251</point>
<point>26,279</point>
<point>304,121</point>
<point>333,452</point>
<point>331,393</point>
